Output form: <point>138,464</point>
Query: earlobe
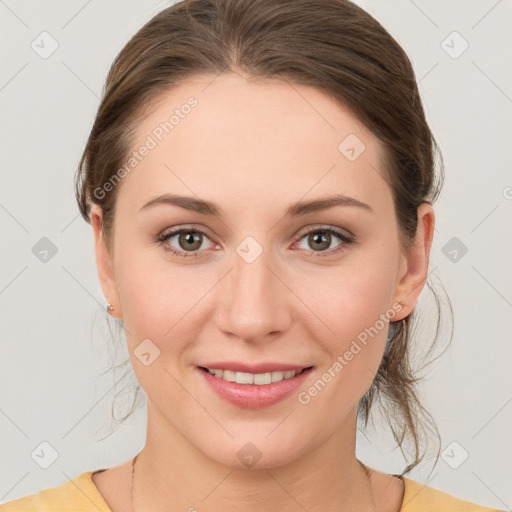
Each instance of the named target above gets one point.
<point>104,263</point>
<point>417,260</point>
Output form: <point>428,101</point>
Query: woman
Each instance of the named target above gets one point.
<point>286,143</point>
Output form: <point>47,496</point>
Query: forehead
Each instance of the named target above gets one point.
<point>227,136</point>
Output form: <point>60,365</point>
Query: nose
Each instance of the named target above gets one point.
<point>254,301</point>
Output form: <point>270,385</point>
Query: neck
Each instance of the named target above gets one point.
<point>172,474</point>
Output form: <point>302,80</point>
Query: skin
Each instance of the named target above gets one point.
<point>254,148</point>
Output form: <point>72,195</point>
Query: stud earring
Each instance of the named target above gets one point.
<point>110,307</point>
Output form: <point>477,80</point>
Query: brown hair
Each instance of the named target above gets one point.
<point>333,45</point>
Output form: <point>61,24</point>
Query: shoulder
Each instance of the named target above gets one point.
<point>76,495</point>
<point>419,497</point>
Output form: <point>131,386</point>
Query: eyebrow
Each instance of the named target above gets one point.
<point>294,210</point>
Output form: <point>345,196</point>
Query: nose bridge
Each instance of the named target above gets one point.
<point>254,302</point>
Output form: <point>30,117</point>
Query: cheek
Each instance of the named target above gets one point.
<point>160,299</point>
<point>352,309</point>
<point>348,300</point>
<point>160,306</point>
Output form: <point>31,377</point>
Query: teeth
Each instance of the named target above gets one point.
<point>253,378</point>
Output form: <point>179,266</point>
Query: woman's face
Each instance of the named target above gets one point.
<point>260,281</point>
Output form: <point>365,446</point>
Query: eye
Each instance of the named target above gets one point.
<point>321,238</point>
<point>189,240</point>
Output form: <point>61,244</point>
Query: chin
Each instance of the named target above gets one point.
<point>256,452</point>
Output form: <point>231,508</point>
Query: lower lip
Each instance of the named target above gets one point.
<point>253,396</point>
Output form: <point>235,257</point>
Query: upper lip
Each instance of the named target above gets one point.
<point>253,368</point>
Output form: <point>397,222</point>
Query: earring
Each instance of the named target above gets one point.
<point>110,307</point>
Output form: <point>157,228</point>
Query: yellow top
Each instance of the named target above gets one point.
<point>81,495</point>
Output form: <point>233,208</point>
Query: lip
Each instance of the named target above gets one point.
<point>253,396</point>
<point>253,368</point>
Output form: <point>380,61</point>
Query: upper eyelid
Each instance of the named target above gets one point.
<point>343,231</point>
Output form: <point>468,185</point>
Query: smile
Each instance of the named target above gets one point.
<point>258,379</point>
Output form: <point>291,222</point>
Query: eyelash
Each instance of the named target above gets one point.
<point>346,239</point>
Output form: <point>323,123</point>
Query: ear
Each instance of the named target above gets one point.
<point>414,265</point>
<point>104,262</point>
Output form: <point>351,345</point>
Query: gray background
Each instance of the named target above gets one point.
<point>54,330</point>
